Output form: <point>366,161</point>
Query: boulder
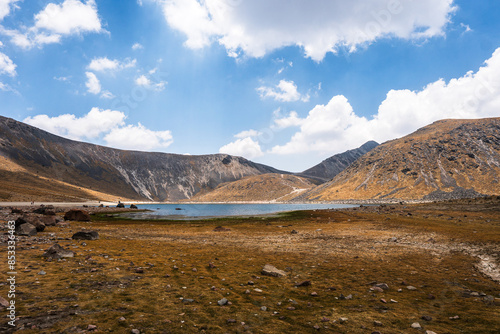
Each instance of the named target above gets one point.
<point>120,205</point>
<point>57,252</point>
<point>49,220</point>
<point>16,211</point>
<point>133,206</point>
<point>3,303</point>
<point>31,219</point>
<point>26,229</point>
<point>78,215</point>
<point>270,270</point>
<point>84,235</point>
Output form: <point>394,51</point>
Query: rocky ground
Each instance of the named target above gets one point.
<point>398,268</point>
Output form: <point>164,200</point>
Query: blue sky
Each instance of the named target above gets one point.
<point>286,83</point>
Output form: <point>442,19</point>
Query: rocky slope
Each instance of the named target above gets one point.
<point>125,174</point>
<point>331,167</point>
<point>261,188</point>
<point>447,159</point>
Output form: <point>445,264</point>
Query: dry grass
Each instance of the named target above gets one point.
<point>346,250</point>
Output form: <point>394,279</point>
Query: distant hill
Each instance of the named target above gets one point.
<point>37,158</point>
<point>332,166</point>
<point>447,159</point>
<point>263,188</point>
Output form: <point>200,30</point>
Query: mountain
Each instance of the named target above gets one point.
<point>447,159</point>
<point>332,166</point>
<point>31,154</point>
<point>258,188</point>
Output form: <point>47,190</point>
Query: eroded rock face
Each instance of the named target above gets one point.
<point>57,252</point>
<point>84,235</point>
<point>270,270</point>
<point>78,215</point>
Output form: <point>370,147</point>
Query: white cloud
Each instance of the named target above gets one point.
<point>137,46</point>
<point>72,17</point>
<point>7,65</point>
<point>107,95</point>
<point>335,127</point>
<point>285,91</point>
<point>292,120</point>
<point>90,126</point>
<point>8,88</point>
<point>137,137</point>
<point>248,133</point>
<point>93,84</point>
<point>245,147</point>
<point>106,124</point>
<point>260,26</point>
<point>104,64</point>
<point>145,82</point>
<point>62,78</point>
<point>5,6</point>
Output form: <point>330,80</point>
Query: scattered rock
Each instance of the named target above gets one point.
<point>411,288</point>
<point>314,294</point>
<point>426,318</point>
<point>304,283</point>
<point>455,317</point>
<point>42,272</point>
<point>211,265</point>
<point>221,229</point>
<point>231,321</point>
<point>16,211</point>
<point>135,331</point>
<point>84,235</point>
<point>120,205</point>
<point>3,303</point>
<point>325,319</point>
<point>263,308</point>
<point>222,302</point>
<point>78,215</point>
<point>187,300</point>
<point>430,332</point>
<point>378,323</point>
<point>49,220</point>
<point>377,289</point>
<point>257,290</point>
<point>393,239</point>
<point>26,229</point>
<point>294,232</point>
<point>91,327</point>
<point>121,319</point>
<point>343,320</point>
<point>416,325</point>
<point>270,270</point>
<point>139,270</point>
<point>133,206</point>
<point>57,252</point>
<point>382,286</point>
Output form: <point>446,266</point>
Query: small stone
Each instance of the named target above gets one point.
<point>383,286</point>
<point>250,283</point>
<point>84,235</point>
<point>222,302</point>
<point>231,321</point>
<point>411,288</point>
<point>304,283</point>
<point>314,294</point>
<point>139,270</point>
<point>426,318</point>
<point>211,265</point>
<point>430,296</point>
<point>378,323</point>
<point>455,317</point>
<point>393,301</point>
<point>91,327</point>
<point>290,308</point>
<point>348,297</point>
<point>316,327</point>
<point>135,331</point>
<point>383,300</point>
<point>430,332</point>
<point>195,270</point>
<point>342,320</point>
<point>416,325</point>
<point>3,303</point>
<point>247,291</point>
<point>187,300</point>
<point>257,290</point>
<point>42,272</point>
<point>270,270</point>
<point>121,319</point>
<point>377,289</point>
<point>294,232</point>
<point>263,308</point>
<point>325,319</point>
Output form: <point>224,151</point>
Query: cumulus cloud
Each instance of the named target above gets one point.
<point>5,6</point>
<point>72,17</point>
<point>146,82</point>
<point>90,126</point>
<point>258,27</point>
<point>335,127</point>
<point>109,125</point>
<point>107,95</point>
<point>93,84</point>
<point>245,147</point>
<point>137,137</point>
<point>248,133</point>
<point>137,46</point>
<point>285,91</point>
<point>7,66</point>
<point>283,122</point>
<point>104,64</point>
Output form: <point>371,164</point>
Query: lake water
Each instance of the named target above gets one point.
<point>188,211</point>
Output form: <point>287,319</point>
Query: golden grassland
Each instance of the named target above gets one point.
<point>437,250</point>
